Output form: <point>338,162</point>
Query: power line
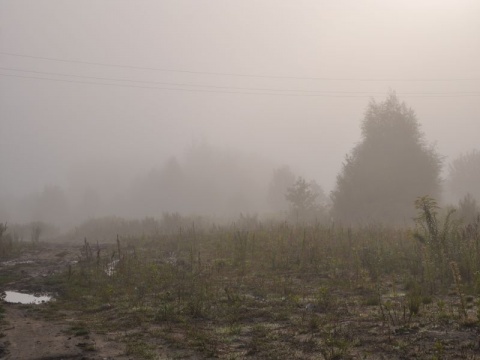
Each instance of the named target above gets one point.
<point>179,84</point>
<point>229,87</point>
<point>236,74</point>
<point>177,89</point>
<point>330,95</point>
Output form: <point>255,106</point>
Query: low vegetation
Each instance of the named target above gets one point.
<point>284,291</point>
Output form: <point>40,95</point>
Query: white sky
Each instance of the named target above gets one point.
<point>50,129</point>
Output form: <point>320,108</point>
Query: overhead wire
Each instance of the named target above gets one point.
<point>172,83</point>
<point>228,87</point>
<point>326,94</point>
<point>316,94</point>
<point>208,88</point>
<point>177,89</point>
<point>238,74</point>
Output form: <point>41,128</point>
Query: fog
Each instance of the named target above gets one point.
<point>98,99</point>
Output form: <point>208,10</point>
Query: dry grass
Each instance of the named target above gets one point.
<point>281,291</point>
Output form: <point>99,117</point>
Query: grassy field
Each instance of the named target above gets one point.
<point>283,291</point>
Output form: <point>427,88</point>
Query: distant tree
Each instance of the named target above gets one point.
<point>36,232</point>
<point>388,169</point>
<point>89,204</point>
<point>50,206</point>
<point>282,179</point>
<point>468,210</point>
<point>321,198</point>
<point>5,241</point>
<point>172,185</point>
<point>205,180</point>
<point>162,189</point>
<point>3,229</point>
<point>305,200</point>
<point>464,175</point>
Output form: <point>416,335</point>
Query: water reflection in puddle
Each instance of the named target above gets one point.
<point>16,262</point>
<point>111,267</point>
<point>15,297</point>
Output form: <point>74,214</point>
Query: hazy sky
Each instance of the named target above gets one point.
<point>287,80</point>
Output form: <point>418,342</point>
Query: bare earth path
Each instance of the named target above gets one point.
<point>30,338</point>
<point>28,333</point>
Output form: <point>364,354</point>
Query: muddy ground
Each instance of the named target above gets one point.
<point>33,331</point>
<point>46,332</point>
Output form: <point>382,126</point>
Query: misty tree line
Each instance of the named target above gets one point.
<point>384,174</point>
<point>380,179</point>
<point>388,169</point>
<point>393,165</point>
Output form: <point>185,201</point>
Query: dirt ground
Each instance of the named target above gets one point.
<point>28,332</point>
<point>41,332</point>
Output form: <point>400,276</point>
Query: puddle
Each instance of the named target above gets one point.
<point>15,297</point>
<point>111,267</point>
<point>16,262</point>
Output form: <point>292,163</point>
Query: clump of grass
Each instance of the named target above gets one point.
<point>2,309</point>
<point>324,299</point>
<point>457,282</point>
<point>79,329</point>
<point>139,348</point>
<point>335,344</point>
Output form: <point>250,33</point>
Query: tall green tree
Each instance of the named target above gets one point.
<point>390,167</point>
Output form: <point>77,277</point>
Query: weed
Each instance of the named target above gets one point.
<point>78,330</point>
<point>457,280</point>
<point>335,345</point>
<point>274,289</point>
<point>324,299</point>
<point>2,309</point>
<point>139,348</point>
